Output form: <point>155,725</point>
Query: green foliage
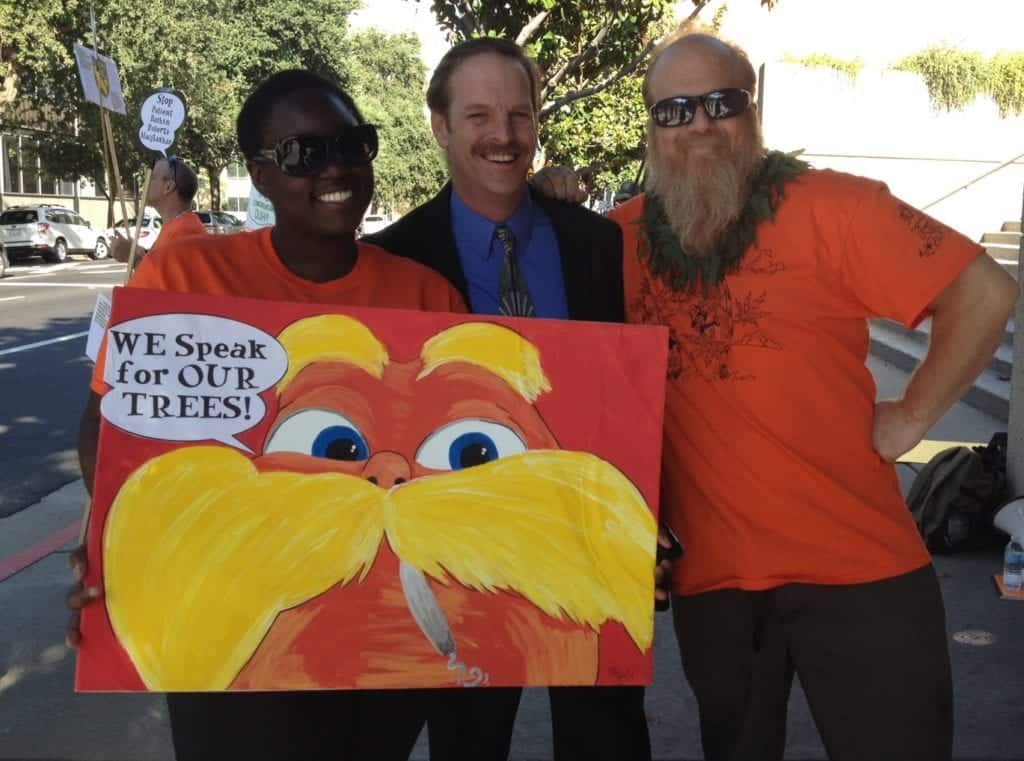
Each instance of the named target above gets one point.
<point>719,18</point>
<point>604,133</point>
<point>955,78</point>
<point>214,53</point>
<point>389,80</point>
<point>824,61</point>
<point>1006,83</point>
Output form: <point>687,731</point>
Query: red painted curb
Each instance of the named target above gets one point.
<point>22,560</point>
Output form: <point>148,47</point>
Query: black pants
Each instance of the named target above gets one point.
<point>281,726</point>
<point>872,658</point>
<point>588,724</point>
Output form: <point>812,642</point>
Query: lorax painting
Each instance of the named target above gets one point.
<point>301,497</point>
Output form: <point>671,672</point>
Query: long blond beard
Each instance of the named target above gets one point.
<point>201,551</point>
<point>702,196</point>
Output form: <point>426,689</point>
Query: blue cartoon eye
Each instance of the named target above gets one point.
<point>466,443</point>
<point>319,433</point>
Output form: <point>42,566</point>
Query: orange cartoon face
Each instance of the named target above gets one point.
<point>336,417</point>
<point>406,524</point>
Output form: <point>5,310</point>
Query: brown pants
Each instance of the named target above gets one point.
<point>872,659</point>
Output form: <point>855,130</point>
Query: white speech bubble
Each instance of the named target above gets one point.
<point>189,377</point>
<point>162,113</point>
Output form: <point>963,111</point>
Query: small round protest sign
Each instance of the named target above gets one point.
<point>162,113</point>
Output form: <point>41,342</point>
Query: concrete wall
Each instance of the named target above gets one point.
<point>882,125</point>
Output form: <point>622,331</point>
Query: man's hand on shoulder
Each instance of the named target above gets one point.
<point>560,183</point>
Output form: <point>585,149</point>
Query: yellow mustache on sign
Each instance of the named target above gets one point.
<point>202,551</point>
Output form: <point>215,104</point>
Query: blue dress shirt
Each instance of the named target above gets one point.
<point>482,257</point>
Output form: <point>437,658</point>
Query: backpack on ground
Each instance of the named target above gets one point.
<point>954,496</point>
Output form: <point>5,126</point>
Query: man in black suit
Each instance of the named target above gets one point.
<point>511,251</point>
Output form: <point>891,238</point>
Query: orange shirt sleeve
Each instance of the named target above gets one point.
<point>895,259</point>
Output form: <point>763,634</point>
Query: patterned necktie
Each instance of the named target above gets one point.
<point>513,295</point>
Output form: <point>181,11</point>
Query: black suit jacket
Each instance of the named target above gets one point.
<point>589,246</point>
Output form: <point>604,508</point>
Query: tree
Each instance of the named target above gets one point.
<point>213,52</point>
<point>388,79</point>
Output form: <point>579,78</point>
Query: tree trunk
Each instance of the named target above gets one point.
<point>213,175</point>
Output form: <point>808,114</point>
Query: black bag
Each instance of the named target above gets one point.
<point>954,496</point>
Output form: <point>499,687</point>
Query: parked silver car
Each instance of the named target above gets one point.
<point>219,222</point>
<point>53,232</point>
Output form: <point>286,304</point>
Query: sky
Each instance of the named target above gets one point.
<point>877,31</point>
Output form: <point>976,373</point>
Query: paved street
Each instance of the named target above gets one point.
<point>42,388</point>
<point>44,313</point>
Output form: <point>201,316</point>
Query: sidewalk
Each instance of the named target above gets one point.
<point>42,718</point>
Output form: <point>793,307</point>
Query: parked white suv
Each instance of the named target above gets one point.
<point>151,224</point>
<point>53,232</point>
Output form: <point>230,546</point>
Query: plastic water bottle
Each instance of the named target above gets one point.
<point>1013,565</point>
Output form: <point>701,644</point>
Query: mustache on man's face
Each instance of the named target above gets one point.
<point>201,551</point>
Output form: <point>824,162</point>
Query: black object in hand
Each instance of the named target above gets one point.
<point>673,552</point>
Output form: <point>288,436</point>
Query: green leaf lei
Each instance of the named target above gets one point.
<point>682,270</point>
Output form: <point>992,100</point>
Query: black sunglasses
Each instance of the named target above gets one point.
<point>307,155</point>
<point>718,104</point>
<point>172,164</point>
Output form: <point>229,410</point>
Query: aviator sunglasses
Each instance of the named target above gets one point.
<point>718,104</point>
<point>307,155</point>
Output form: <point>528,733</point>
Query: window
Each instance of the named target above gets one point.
<point>237,170</point>
<point>88,187</point>
<point>12,165</point>
<point>18,217</point>
<point>29,168</point>
<point>237,203</point>
<point>49,180</point>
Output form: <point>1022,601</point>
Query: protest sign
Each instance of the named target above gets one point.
<point>100,79</point>
<point>102,86</point>
<point>260,212</point>
<point>162,113</point>
<point>97,326</point>
<point>291,496</point>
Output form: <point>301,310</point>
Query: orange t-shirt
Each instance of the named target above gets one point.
<point>186,225</point>
<point>769,473</point>
<point>246,265</point>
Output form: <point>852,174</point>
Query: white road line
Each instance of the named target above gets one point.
<point>90,286</point>
<point>84,268</point>
<point>37,344</point>
<point>11,298</point>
